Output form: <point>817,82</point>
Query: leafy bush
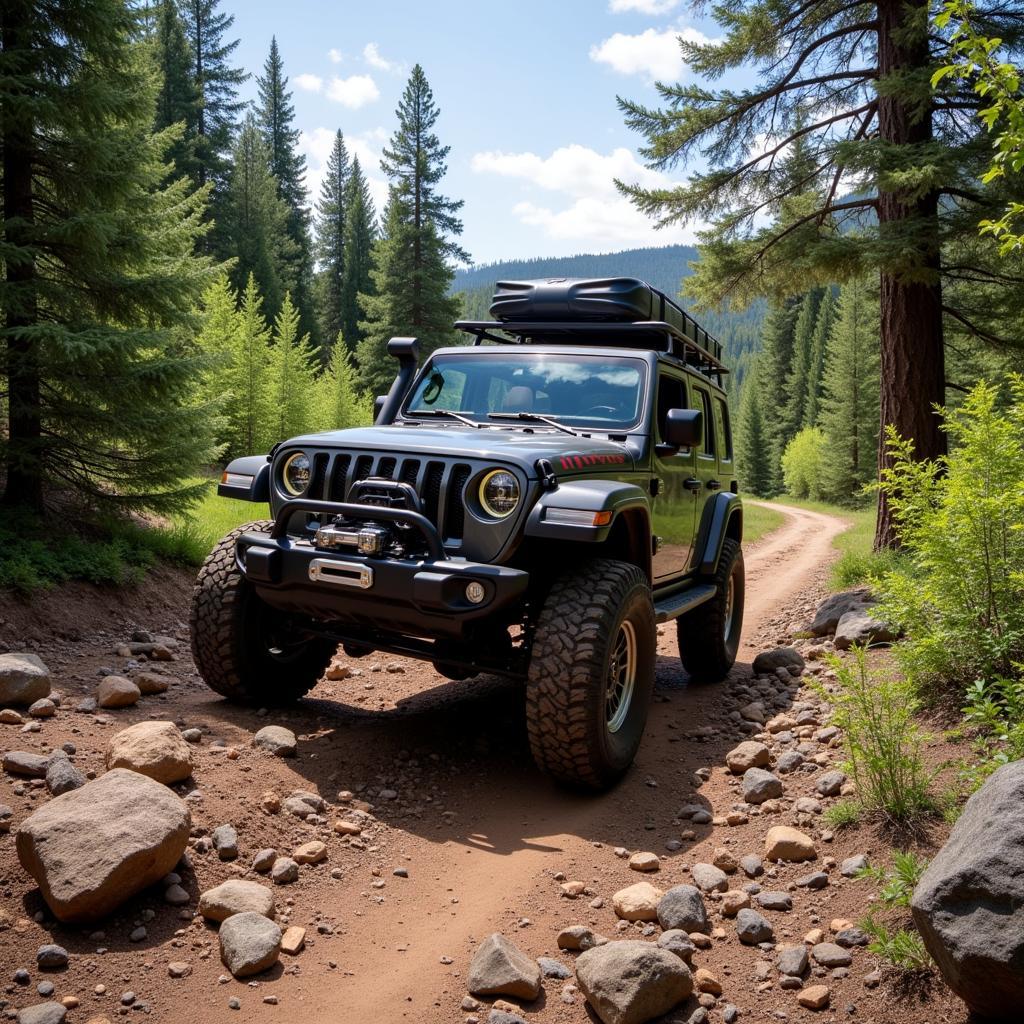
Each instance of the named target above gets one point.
<point>960,594</point>
<point>882,740</point>
<point>996,708</point>
<point>802,463</point>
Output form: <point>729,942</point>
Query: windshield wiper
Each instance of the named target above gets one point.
<point>532,417</point>
<point>462,418</point>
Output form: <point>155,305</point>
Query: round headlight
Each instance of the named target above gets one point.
<point>499,493</point>
<point>295,473</point>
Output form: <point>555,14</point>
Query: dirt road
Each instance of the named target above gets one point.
<point>484,839</point>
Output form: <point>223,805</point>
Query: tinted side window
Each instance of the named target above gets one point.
<point>671,395</point>
<point>708,446</point>
<point>724,430</point>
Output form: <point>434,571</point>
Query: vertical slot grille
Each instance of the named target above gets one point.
<point>455,509</point>
<point>386,467</point>
<point>410,470</point>
<point>318,482</point>
<point>431,495</point>
<point>363,466</point>
<point>338,473</point>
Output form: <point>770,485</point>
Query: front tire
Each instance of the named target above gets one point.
<point>240,645</point>
<point>591,674</point>
<point>709,636</point>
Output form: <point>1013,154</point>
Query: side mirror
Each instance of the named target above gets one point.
<point>378,404</point>
<point>684,428</point>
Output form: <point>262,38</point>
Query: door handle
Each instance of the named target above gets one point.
<point>713,485</point>
<point>692,484</point>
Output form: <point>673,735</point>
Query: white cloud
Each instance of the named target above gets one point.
<point>353,92</point>
<point>643,6</point>
<point>310,83</point>
<point>654,54</point>
<point>334,55</point>
<point>371,54</point>
<point>594,213</point>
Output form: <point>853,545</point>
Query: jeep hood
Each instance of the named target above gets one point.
<point>567,454</point>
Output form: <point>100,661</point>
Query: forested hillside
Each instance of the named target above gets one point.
<point>664,267</point>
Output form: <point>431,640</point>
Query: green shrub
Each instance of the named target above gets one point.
<point>995,707</point>
<point>802,464</point>
<point>898,882</point>
<point>899,946</point>
<point>842,814</point>
<point>881,739</point>
<point>959,596</point>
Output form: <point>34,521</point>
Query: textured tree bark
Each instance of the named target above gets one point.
<point>24,479</point>
<point>912,353</point>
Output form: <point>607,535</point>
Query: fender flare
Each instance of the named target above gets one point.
<point>585,496</point>
<point>714,528</point>
<point>233,480</point>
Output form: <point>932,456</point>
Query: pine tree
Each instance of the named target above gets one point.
<point>775,365</point>
<point>822,330</point>
<point>216,340</point>
<point>99,277</point>
<point>360,235</point>
<point>752,448</point>
<point>331,220</point>
<point>255,222</point>
<point>339,403</point>
<point>410,270</point>
<point>217,83</point>
<point>275,116</point>
<point>248,405</point>
<point>886,187</point>
<point>849,405</point>
<point>178,99</point>
<point>798,383</point>
<point>291,375</point>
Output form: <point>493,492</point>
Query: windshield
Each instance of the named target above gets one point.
<point>603,392</point>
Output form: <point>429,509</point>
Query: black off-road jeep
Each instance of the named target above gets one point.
<point>530,505</point>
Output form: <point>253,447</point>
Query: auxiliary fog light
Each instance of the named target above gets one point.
<point>475,592</point>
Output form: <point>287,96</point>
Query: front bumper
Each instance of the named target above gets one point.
<point>423,597</point>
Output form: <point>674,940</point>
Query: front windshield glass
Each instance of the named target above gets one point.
<point>599,391</point>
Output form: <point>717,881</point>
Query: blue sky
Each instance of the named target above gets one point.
<point>527,96</point>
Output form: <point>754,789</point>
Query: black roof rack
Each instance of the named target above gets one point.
<point>695,347</point>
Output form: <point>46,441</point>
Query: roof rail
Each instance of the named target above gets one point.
<point>696,347</point>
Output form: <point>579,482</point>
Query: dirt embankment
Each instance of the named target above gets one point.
<point>485,841</point>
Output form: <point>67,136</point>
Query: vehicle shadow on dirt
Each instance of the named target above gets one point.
<point>458,758</point>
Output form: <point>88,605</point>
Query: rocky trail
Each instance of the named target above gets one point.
<point>409,825</point>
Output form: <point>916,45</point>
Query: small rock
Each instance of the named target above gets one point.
<point>43,1013</point>
<point>179,969</point>
<point>249,943</point>
<point>789,762</point>
<point>151,683</point>
<point>578,936</point>
<point>751,865</point>
<point>675,940</point>
<point>734,901</point>
<point>62,776</point>
<point>782,657</point>
<point>724,861</point>
<point>21,762</point>
<point>682,907</point>
<point>637,902</point>
<point>752,928</point>
<point>792,960</point>
<point>176,896</point>
<point>236,896</point>
<point>500,968</point>
<point>284,871</point>
<point>707,982</point>
<point>117,692</point>
<point>225,842</point>
<point>310,853</point>
<point>708,878</point>
<point>264,860</point>
<point>293,940</point>
<point>277,740</point>
<point>815,997</point>
<point>829,955</point>
<point>759,785</point>
<point>749,754</point>
<point>42,708</point>
<point>156,749</point>
<point>852,866</point>
<point>831,783</point>
<point>552,968</point>
<point>817,880</point>
<point>774,900</point>
<point>51,957</point>
<point>645,862</point>
<point>24,679</point>
<point>785,843</point>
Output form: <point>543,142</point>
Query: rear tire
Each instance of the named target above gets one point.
<point>591,674</point>
<point>709,636</point>
<point>239,644</point>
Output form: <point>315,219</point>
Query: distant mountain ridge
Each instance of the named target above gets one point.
<point>664,267</point>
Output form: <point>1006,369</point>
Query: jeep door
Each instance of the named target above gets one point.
<point>673,483</point>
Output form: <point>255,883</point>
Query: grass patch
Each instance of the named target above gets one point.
<point>759,520</point>
<point>191,537</point>
<point>844,814</point>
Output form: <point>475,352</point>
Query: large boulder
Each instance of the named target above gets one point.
<point>156,749</point>
<point>500,968</point>
<point>969,904</point>
<point>781,657</point>
<point>24,679</point>
<point>94,847</point>
<point>834,607</point>
<point>860,628</point>
<point>631,982</point>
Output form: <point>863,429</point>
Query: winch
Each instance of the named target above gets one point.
<point>369,539</point>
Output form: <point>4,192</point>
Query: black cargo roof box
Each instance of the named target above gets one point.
<point>610,310</point>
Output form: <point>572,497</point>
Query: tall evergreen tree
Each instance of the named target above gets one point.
<point>178,100</point>
<point>217,83</point>
<point>410,269</point>
<point>850,401</point>
<point>888,156</point>
<point>775,364</point>
<point>255,222</point>
<point>275,115</point>
<point>248,405</point>
<point>752,447</point>
<point>99,272</point>
<point>291,375</point>
<point>822,330</point>
<point>360,235</point>
<point>331,213</point>
<point>798,383</point>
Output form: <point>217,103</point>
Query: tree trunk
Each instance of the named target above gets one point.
<point>912,354</point>
<point>24,486</point>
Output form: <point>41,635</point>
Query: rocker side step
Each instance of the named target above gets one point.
<point>671,607</point>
